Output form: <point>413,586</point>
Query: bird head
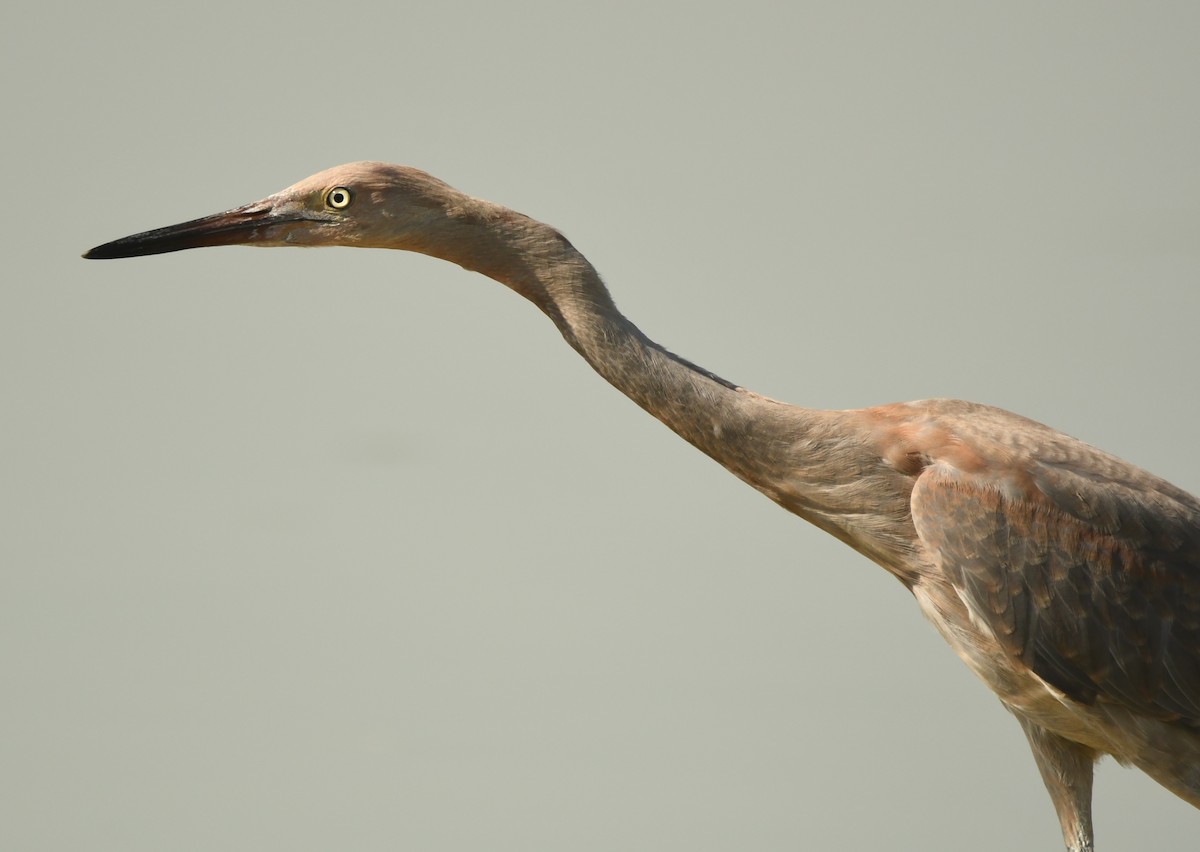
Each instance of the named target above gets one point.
<point>370,205</point>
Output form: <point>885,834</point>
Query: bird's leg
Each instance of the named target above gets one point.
<point>1066,768</point>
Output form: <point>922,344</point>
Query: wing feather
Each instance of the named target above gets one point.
<point>1091,580</point>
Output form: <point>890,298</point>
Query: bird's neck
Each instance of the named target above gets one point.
<point>824,466</point>
<point>743,431</point>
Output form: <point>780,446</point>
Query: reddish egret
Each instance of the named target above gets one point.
<point>1064,577</point>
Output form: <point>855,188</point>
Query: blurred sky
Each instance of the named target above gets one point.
<point>316,550</point>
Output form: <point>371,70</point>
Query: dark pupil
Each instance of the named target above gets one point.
<point>337,198</point>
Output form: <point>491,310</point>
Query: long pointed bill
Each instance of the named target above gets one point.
<point>252,224</point>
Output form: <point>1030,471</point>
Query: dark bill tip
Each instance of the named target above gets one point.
<point>134,246</point>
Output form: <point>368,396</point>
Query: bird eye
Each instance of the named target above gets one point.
<point>338,198</point>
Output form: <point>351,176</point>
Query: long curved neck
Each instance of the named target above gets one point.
<point>735,427</point>
<point>824,466</point>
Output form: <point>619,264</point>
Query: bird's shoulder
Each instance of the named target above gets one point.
<point>1085,567</point>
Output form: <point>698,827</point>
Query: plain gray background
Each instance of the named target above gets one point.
<point>337,549</point>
